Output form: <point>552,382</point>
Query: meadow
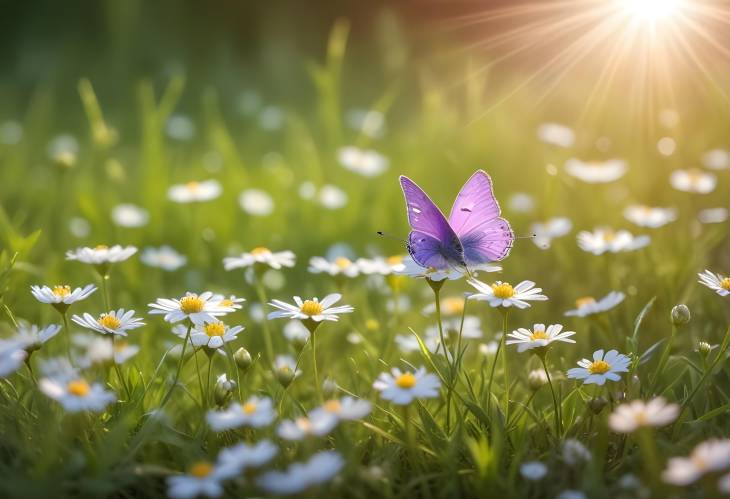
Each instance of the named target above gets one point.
<point>196,298</point>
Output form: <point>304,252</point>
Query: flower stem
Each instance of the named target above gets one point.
<point>105,291</point>
<point>68,336</point>
<point>505,373</point>
<point>179,367</point>
<point>664,359</point>
<point>261,292</point>
<point>317,386</point>
<point>119,371</point>
<point>556,406</point>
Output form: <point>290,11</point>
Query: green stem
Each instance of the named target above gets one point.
<point>505,374</point>
<point>207,382</point>
<point>556,406</point>
<point>317,386</point>
<point>261,292</point>
<point>179,367</point>
<point>664,359</point>
<point>105,292</point>
<point>650,456</point>
<point>119,371</point>
<point>68,336</point>
<point>500,345</point>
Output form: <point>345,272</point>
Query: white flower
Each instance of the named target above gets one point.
<point>693,180</point>
<point>76,394</point>
<point>256,202</point>
<point>471,329</point>
<point>382,266</point>
<point>556,134</point>
<point>596,172</point>
<point>202,479</point>
<point>79,227</point>
<point>198,308</point>
<point>589,306</point>
<point>257,412</point>
<point>540,337</point>
<point>317,425</point>
<point>114,322</point>
<point>61,296</point>
<point>402,388</point>
<point>12,356</point>
<point>713,215</point>
<point>502,294</point>
<point>710,456</point>
<point>101,254</point>
<point>130,215</point>
<point>489,348</point>
<point>551,229</point>
<point>307,190</point>
<point>193,192</point>
<point>310,309</point>
<point>286,363</point>
<point>345,409</point>
<point>647,216</point>
<point>627,418</point>
<point>180,127</point>
<point>164,257</point>
<point>296,332</point>
<point>602,368</point>
<point>98,350</point>
<point>33,336</point>
<point>213,334</point>
<point>574,452</point>
<point>412,269</point>
<point>533,470</point>
<point>340,266</point>
<point>231,301</point>
<point>319,469</point>
<point>365,162</point>
<point>716,282</point>
<point>235,460</point>
<point>521,202</point>
<point>716,159</point>
<point>332,197</point>
<point>260,255</point>
<point>604,239</point>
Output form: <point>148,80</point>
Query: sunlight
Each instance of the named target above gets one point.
<point>651,10</point>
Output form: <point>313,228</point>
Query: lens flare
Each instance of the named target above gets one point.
<point>651,10</point>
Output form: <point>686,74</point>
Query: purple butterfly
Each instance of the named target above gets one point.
<point>474,234</point>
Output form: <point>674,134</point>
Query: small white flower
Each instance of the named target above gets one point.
<point>539,338</point>
<point>77,394</point>
<point>332,197</point>
<point>471,329</point>
<point>716,282</point>
<point>601,368</point>
<point>412,269</point>
<point>260,255</point>
<point>61,296</point>
<point>113,322</point>
<point>382,266</point>
<point>198,308</point>
<point>521,202</point>
<point>231,301</point>
<point>164,257</point>
<point>533,470</point>
<point>213,334</point>
<point>556,134</point>
<point>202,479</point>
<point>550,229</point>
<point>195,192</point>
<point>33,336</point>
<point>365,162</point>
<point>235,460</point>
<point>345,409</point>
<point>574,452</point>
<point>588,305</point>
<point>651,217</point>
<point>296,332</point>
<point>286,363</point>
<point>320,468</point>
<point>99,351</point>
<point>318,425</point>
<point>627,418</point>
<point>502,294</point>
<point>489,348</point>
<point>307,190</point>
<point>256,202</point>
<point>257,412</point>
<point>596,172</point>
<point>340,266</point>
<point>713,215</point>
<point>180,127</point>
<point>693,180</point>
<point>716,159</point>
<point>604,239</point>
<point>101,254</point>
<point>79,227</point>
<point>310,309</point>
<point>12,356</point>
<point>710,456</point>
<point>402,388</point>
<point>130,215</point>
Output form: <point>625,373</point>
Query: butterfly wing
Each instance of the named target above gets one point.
<point>432,242</point>
<point>484,235</point>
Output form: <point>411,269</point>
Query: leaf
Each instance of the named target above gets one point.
<point>640,318</point>
<point>649,352</point>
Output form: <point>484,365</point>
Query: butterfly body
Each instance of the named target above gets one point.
<point>474,233</point>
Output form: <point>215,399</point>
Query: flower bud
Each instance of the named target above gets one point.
<point>224,388</point>
<point>284,375</point>
<point>536,379</point>
<point>242,359</point>
<point>329,387</point>
<point>704,348</point>
<point>597,404</point>
<point>680,315</point>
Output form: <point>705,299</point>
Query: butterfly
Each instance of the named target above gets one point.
<point>474,233</point>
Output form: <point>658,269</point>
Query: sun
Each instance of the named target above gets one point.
<point>651,10</point>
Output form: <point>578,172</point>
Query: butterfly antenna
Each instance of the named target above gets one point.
<point>390,236</point>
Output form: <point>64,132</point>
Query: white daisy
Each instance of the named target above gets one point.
<point>710,456</point>
<point>693,180</point>
<point>213,334</point>
<point>114,322</point>
<point>320,468</point>
<point>345,409</point>
<point>537,378</point>
<point>257,412</point>
<point>412,269</point>
<point>256,202</point>
<point>262,256</point>
<point>571,494</point>
<point>402,388</point>
<point>716,282</point>
<point>574,452</point>
<point>602,368</point>
<point>76,394</point>
<point>651,217</point>
<point>130,215</point>
<point>101,254</point>
<point>381,266</point>
<point>12,356</point>
<point>556,134</point>
<point>551,229</point>
<point>33,336</point>
<point>539,337</point>
<point>713,215</point>
<point>596,172</point>
<point>503,294</point>
<point>296,332</point>
<point>310,310</point>
<point>164,257</point>
<point>100,351</point>
<point>61,296</point>
<point>533,470</point>
<point>332,197</point>
<point>202,479</point>
<point>588,305</point>
<point>286,364</point>
<point>339,266</point>
<point>605,239</point>
<point>716,159</point>
<point>231,301</point>
<point>195,192</point>
<point>627,418</point>
<point>365,162</point>
<point>198,308</point>
<point>237,459</point>
<point>318,425</point>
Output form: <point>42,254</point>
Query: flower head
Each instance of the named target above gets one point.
<point>101,254</point>
<point>604,239</point>
<point>262,256</point>
<point>256,412</point>
<point>319,469</point>
<point>365,162</point>
<point>213,334</point>
<point>589,306</point>
<point>130,215</point>
<point>76,394</point>
<point>556,134</point>
<point>310,310</point>
<point>412,269</point>
<point>379,265</point>
<point>33,336</point>
<point>539,337</point>
<point>601,368</point>
<point>195,192</point>
<point>551,229</point>
<point>651,217</point>
<point>202,478</point>
<point>345,409</point>
<point>629,417</point>
<point>716,282</point>
<point>503,294</point>
<point>710,456</point>
<point>198,308</point>
<point>403,387</point>
<point>340,266</point>
<point>596,172</point>
<point>164,257</point>
<point>533,470</point>
<point>316,425</point>
<point>113,322</point>
<point>12,355</point>
<point>61,296</point>
<point>693,180</point>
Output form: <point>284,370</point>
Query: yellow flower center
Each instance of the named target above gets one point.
<point>192,186</point>
<point>78,388</point>
<point>609,235</point>
<point>343,262</point>
<point>226,302</point>
<point>333,406</point>
<point>599,367</point>
<point>311,307</point>
<point>260,250</point>
<point>191,304</point>
<point>694,175</point>
<point>201,469</point>
<point>215,329</point>
<point>503,290</point>
<point>585,300</point>
<point>538,335</point>
<point>406,380</point>
<point>395,260</point>
<point>109,321</point>
<point>725,283</point>
<point>249,408</point>
<point>305,424</point>
<point>119,346</point>
<point>61,291</point>
<point>372,325</point>
<point>99,247</point>
<point>452,305</point>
